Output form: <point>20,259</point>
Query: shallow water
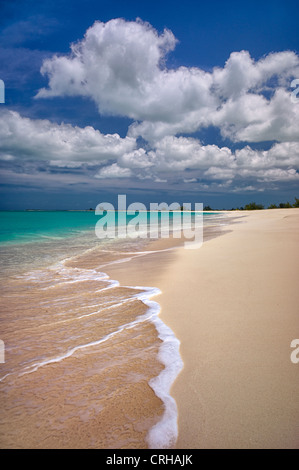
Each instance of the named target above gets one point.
<point>88,363</point>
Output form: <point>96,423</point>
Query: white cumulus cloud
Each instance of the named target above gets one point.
<point>113,171</point>
<point>120,65</point>
<point>188,158</point>
<point>40,139</point>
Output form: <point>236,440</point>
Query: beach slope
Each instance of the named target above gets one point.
<point>234,306</point>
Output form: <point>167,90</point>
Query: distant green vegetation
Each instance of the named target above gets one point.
<point>285,205</point>
<point>252,206</point>
<point>296,203</point>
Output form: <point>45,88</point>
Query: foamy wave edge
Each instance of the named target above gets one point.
<point>163,435</point>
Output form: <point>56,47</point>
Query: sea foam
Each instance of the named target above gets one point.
<point>164,434</point>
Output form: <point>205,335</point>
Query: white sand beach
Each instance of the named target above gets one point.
<point>233,304</point>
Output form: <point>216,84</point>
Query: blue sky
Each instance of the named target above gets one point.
<point>174,101</point>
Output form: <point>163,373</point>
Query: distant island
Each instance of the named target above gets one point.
<point>248,207</point>
<point>254,206</point>
<point>59,210</point>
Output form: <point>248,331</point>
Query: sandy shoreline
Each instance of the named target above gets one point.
<point>80,358</point>
<point>233,304</point>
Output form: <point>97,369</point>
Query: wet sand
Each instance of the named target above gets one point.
<point>83,365</point>
<point>80,351</point>
<point>233,304</point>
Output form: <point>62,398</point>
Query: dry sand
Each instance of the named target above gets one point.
<point>234,305</point>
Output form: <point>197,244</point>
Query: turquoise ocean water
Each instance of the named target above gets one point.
<point>37,226</point>
<point>79,346</point>
<point>30,239</point>
<point>30,226</point>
